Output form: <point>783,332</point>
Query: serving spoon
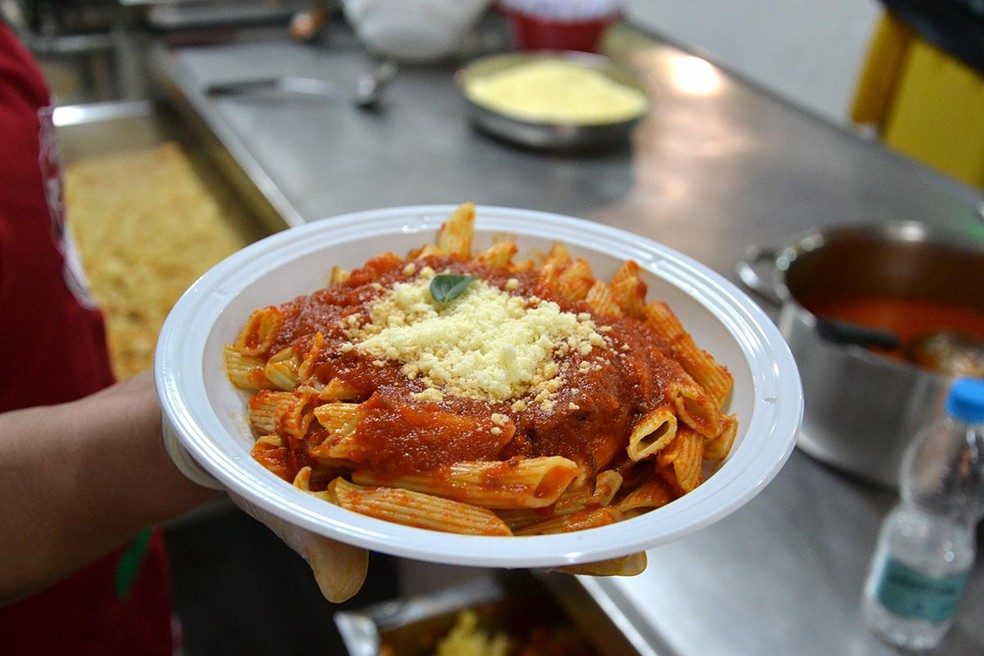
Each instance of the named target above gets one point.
<point>954,354</point>
<point>367,94</point>
<point>947,352</point>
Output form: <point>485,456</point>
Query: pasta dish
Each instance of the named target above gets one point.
<point>474,392</point>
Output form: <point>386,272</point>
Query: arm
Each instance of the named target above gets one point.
<point>79,479</point>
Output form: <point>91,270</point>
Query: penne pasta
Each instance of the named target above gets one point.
<point>293,418</point>
<point>455,236</point>
<point>270,452</point>
<point>630,565</point>
<point>578,521</point>
<point>628,269</point>
<point>416,509</point>
<point>629,295</point>
<point>305,370</point>
<point>265,407</point>
<point>607,485</point>
<point>281,412</point>
<point>652,432</point>
<point>338,275</point>
<point>244,371</point>
<point>302,479</point>
<point>686,455</point>
<point>320,455</point>
<point>498,255</point>
<point>339,419</point>
<point>550,267</point>
<point>558,258</point>
<point>515,483</point>
<point>653,492</point>
<point>522,266</point>
<point>510,398</point>
<point>629,290</point>
<point>701,365</point>
<point>719,446</point>
<point>695,407</point>
<point>261,329</point>
<point>575,280</point>
<point>335,390</point>
<point>600,299</point>
<point>281,370</point>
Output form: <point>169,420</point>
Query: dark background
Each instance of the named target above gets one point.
<point>239,590</point>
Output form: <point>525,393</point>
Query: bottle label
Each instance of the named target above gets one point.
<point>912,595</point>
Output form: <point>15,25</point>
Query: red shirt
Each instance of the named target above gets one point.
<point>53,349</point>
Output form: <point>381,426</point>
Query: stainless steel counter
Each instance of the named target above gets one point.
<point>716,167</point>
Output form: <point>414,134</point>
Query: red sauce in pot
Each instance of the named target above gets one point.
<point>908,318</point>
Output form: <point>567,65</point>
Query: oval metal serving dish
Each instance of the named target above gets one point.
<point>550,135</point>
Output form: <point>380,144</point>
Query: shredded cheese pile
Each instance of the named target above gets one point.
<point>557,91</point>
<point>487,344</point>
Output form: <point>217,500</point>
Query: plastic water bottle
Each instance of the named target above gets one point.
<point>927,543</point>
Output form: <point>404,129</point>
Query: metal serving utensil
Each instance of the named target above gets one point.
<point>367,93</point>
<point>950,353</point>
<point>947,352</point>
<point>369,88</point>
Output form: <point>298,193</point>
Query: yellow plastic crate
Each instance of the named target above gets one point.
<point>924,103</point>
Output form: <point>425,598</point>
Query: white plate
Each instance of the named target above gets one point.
<point>208,414</point>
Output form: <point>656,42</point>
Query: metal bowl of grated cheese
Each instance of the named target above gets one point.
<point>553,100</point>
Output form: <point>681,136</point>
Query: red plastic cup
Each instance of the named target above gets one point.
<point>532,32</point>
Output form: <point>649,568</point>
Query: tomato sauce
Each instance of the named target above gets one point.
<point>588,420</point>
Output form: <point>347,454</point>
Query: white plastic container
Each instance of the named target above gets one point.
<point>208,415</point>
<point>414,31</point>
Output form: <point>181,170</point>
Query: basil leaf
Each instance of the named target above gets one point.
<point>446,287</point>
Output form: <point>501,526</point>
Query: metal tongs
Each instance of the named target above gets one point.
<point>367,93</point>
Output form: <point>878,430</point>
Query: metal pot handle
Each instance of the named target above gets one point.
<point>748,272</point>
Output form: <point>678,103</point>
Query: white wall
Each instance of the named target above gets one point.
<point>808,52</point>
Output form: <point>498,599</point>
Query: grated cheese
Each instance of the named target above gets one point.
<point>557,91</point>
<point>487,344</point>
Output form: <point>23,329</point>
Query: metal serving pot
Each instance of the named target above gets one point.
<point>861,407</point>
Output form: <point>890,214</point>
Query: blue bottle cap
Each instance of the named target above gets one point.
<point>966,400</point>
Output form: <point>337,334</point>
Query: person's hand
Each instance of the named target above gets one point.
<point>339,569</point>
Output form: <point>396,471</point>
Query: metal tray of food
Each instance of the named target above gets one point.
<point>514,608</point>
<point>149,212</point>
